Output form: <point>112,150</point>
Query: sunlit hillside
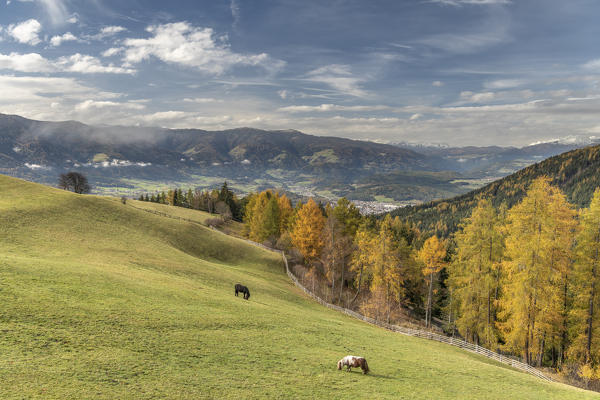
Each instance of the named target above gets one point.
<point>99,299</point>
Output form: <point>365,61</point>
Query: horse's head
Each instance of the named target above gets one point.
<point>339,364</point>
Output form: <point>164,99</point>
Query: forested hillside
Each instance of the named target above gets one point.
<point>576,173</point>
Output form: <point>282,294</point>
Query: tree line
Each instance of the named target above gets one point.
<point>382,267</point>
<point>221,201</point>
<point>526,279</point>
<point>523,280</point>
<point>574,172</point>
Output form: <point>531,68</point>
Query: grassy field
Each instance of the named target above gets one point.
<point>102,300</point>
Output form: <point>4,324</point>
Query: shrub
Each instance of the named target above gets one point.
<point>214,222</point>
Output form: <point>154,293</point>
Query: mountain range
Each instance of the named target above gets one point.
<point>130,160</point>
<point>576,173</point>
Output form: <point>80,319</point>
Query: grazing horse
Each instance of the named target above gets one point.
<point>242,289</point>
<point>352,361</point>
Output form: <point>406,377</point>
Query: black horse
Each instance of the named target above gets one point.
<point>242,289</point>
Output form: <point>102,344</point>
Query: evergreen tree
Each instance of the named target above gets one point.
<point>348,215</point>
<point>180,198</point>
<point>189,198</point>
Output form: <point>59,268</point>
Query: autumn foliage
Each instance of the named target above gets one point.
<point>524,280</point>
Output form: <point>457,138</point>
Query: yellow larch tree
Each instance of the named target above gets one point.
<point>362,261</point>
<point>432,255</point>
<point>537,261</point>
<point>474,274</point>
<point>585,314</point>
<point>306,231</point>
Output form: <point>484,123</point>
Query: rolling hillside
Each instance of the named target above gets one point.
<point>103,300</point>
<point>576,173</point>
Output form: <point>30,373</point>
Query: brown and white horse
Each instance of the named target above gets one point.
<point>353,361</point>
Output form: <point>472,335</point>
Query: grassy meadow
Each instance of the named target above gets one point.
<point>103,300</point>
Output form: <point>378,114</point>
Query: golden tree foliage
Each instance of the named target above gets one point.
<point>432,255</point>
<point>585,315</point>
<point>267,215</point>
<point>306,231</point>
<point>285,212</point>
<point>475,274</point>
<point>363,258</point>
<point>538,253</point>
<point>337,246</point>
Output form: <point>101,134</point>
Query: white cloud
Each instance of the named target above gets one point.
<point>55,9</point>
<point>112,51</point>
<point>235,12</point>
<point>58,40</point>
<point>464,43</point>
<point>202,100</point>
<point>471,97</point>
<point>480,35</point>
<point>73,19</point>
<point>37,166</point>
<point>332,107</point>
<point>592,65</point>
<point>504,83</point>
<point>183,44</point>
<point>165,116</point>
<point>437,83</point>
<point>23,89</point>
<point>79,63</point>
<point>26,31</point>
<point>110,31</point>
<point>94,104</point>
<point>85,64</point>
<point>106,31</point>
<point>458,3</point>
<point>283,94</point>
<point>31,62</point>
<point>338,77</point>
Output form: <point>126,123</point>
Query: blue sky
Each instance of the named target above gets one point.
<point>458,72</point>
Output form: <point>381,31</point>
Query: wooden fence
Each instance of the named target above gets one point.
<point>420,333</point>
<point>400,329</point>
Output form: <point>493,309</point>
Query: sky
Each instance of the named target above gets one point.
<point>452,72</point>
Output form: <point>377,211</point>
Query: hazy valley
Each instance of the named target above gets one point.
<point>132,160</point>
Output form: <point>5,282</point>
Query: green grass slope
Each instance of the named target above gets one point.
<point>102,300</point>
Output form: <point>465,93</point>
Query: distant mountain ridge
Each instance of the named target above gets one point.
<point>495,161</point>
<point>576,173</point>
<point>117,156</point>
<point>122,160</point>
<point>52,143</point>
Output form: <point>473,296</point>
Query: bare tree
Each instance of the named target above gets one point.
<point>223,209</point>
<point>74,181</point>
